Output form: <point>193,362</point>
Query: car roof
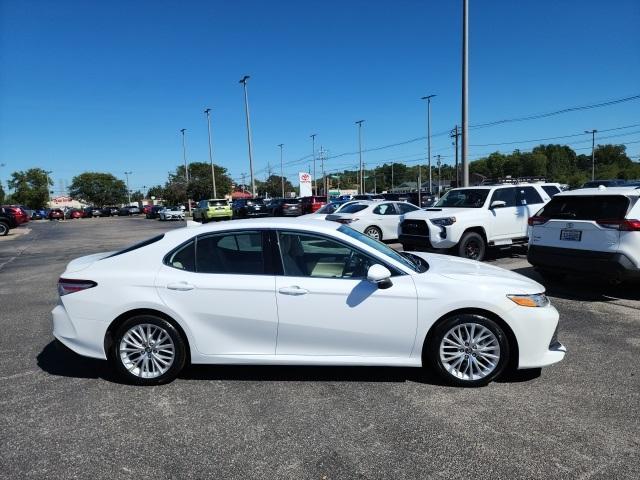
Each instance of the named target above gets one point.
<point>583,192</point>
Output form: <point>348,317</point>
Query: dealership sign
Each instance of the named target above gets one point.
<point>305,184</point>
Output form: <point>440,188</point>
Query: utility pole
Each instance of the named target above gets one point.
<point>465,92</point>
<point>281,169</point>
<point>48,189</point>
<point>324,178</point>
<point>392,176</point>
<point>428,99</point>
<point>207,112</point>
<point>243,81</point>
<point>359,123</point>
<point>244,180</point>
<point>313,153</point>
<point>375,181</point>
<point>455,134</point>
<point>128,189</point>
<point>186,167</point>
<point>593,152</point>
<point>439,176</point>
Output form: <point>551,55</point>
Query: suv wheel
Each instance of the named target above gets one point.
<point>4,229</point>
<point>472,246</point>
<point>148,350</point>
<point>468,350</point>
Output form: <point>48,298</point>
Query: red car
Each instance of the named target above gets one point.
<point>56,214</point>
<point>18,212</point>
<point>75,213</point>
<point>147,209</point>
<point>312,204</point>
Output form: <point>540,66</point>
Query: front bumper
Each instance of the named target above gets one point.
<point>607,264</point>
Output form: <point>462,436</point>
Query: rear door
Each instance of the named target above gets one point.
<point>387,217</point>
<point>529,201</point>
<point>581,222</point>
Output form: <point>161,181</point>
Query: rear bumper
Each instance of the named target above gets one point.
<point>84,337</point>
<point>608,264</point>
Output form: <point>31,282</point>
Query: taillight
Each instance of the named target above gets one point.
<point>537,221</point>
<point>66,285</point>
<point>631,225</point>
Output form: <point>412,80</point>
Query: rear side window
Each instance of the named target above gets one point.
<point>354,208</point>
<point>529,196</point>
<point>406,207</point>
<point>144,243</point>
<point>579,207</point>
<point>184,258</point>
<point>232,253</point>
<point>551,190</point>
<point>385,209</point>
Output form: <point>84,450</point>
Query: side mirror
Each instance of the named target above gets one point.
<point>498,204</point>
<point>379,275</point>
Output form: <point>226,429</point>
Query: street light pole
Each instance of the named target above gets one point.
<point>359,123</point>
<point>428,99</point>
<point>186,168</point>
<point>465,92</point>
<point>207,112</point>
<point>48,190</point>
<point>313,154</point>
<point>281,169</point>
<point>439,176</point>
<point>455,134</point>
<point>243,81</point>
<point>593,152</point>
<point>128,189</point>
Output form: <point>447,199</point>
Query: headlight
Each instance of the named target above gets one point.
<point>443,222</point>
<point>535,300</point>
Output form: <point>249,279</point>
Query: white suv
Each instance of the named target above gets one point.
<point>468,220</point>
<point>591,230</point>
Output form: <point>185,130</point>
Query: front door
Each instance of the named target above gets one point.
<point>504,220</point>
<point>327,307</point>
<point>217,283</point>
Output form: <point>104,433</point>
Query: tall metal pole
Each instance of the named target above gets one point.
<point>359,123</point>
<point>243,81</point>
<point>465,92</point>
<point>455,134</point>
<point>313,152</point>
<point>593,152</point>
<point>428,99</point>
<point>48,189</point>
<point>186,168</point>
<point>281,169</point>
<point>128,189</point>
<point>392,176</point>
<point>244,181</point>
<point>439,176</point>
<point>207,112</point>
<point>324,177</point>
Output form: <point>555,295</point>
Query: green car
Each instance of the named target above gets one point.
<point>213,209</point>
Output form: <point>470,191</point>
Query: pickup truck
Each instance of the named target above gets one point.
<point>466,221</point>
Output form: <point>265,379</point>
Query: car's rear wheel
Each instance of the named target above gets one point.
<point>4,229</point>
<point>472,246</point>
<point>148,350</point>
<point>468,350</point>
<point>373,232</point>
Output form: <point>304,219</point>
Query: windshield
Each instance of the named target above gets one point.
<point>353,208</point>
<point>464,198</point>
<point>406,260</point>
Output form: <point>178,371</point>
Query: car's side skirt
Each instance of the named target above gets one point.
<point>327,360</point>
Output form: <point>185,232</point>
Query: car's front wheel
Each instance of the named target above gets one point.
<point>148,350</point>
<point>4,229</point>
<point>468,350</point>
<point>472,246</point>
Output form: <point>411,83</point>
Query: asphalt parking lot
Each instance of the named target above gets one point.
<point>64,416</point>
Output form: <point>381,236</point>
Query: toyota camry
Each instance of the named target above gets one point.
<point>299,292</point>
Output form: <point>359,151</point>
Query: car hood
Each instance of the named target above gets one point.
<point>81,263</point>
<point>476,273</point>
<point>437,212</point>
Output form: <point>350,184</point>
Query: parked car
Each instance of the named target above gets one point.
<point>171,213</point>
<point>605,183</point>
<point>426,199</point>
<point>212,209</point>
<point>39,214</point>
<point>588,231</point>
<point>285,207</point>
<point>56,214</point>
<point>110,211</point>
<point>125,211</point>
<point>91,212</point>
<point>378,219</point>
<point>154,212</point>
<point>146,209</point>
<point>329,208</point>
<point>18,212</point>
<point>249,208</point>
<point>7,221</point>
<point>368,196</point>
<point>74,213</point>
<point>312,204</point>
<point>469,220</point>
<point>467,321</point>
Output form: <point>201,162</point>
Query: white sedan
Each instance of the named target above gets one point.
<point>378,219</point>
<point>286,291</point>
<point>171,213</point>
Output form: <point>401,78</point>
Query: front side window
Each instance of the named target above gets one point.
<point>230,253</point>
<point>507,195</point>
<point>385,209</point>
<point>308,255</point>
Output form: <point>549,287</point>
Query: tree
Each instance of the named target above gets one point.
<point>137,196</point>
<point>31,188</point>
<point>156,191</point>
<point>98,188</point>
<point>1,194</point>
<point>200,186</point>
<point>272,186</point>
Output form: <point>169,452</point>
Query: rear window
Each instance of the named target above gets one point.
<point>354,208</point>
<point>135,246</point>
<point>218,203</point>
<point>580,207</point>
<point>291,201</point>
<point>257,201</point>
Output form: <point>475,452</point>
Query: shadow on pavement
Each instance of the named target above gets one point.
<point>56,359</point>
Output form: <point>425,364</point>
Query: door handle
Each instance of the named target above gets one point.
<point>180,286</point>
<point>294,290</point>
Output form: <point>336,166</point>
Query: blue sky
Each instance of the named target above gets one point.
<point>107,86</point>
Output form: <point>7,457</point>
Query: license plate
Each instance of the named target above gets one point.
<point>571,235</point>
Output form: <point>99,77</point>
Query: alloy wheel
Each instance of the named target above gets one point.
<point>373,233</point>
<point>147,350</point>
<point>469,351</point>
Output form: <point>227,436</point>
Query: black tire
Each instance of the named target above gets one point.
<point>373,232</point>
<point>433,358</point>
<point>550,276</point>
<point>175,368</point>
<point>4,229</point>
<point>472,246</point>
